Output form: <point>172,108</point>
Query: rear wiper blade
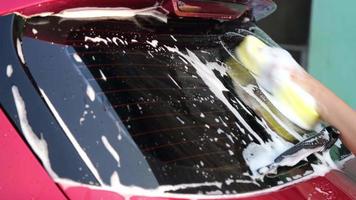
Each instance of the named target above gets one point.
<point>320,142</point>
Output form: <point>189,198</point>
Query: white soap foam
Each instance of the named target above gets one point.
<point>72,139</point>
<point>95,39</point>
<point>9,71</point>
<point>258,156</point>
<point>90,92</point>
<point>44,14</point>
<point>77,58</point>
<point>276,68</point>
<point>180,120</point>
<point>115,180</point>
<point>249,89</point>
<point>116,13</point>
<point>173,38</point>
<point>288,111</point>
<point>34,31</point>
<point>174,81</point>
<point>38,145</point>
<point>82,118</point>
<point>111,149</point>
<point>19,51</point>
<point>162,191</point>
<point>115,39</point>
<point>205,71</point>
<point>153,43</point>
<point>102,75</point>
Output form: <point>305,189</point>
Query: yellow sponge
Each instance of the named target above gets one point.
<point>271,66</point>
<point>249,53</point>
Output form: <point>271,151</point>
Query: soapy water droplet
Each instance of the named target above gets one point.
<point>9,71</point>
<point>90,93</point>
<point>34,31</point>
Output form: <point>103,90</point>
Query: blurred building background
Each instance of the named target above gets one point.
<point>321,35</point>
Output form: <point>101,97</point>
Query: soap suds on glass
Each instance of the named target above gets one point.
<point>102,75</point>
<point>111,149</point>
<point>90,92</point>
<point>153,43</point>
<point>205,71</point>
<point>77,58</point>
<point>9,71</point>
<point>19,51</point>
<point>34,31</point>
<point>38,145</point>
<point>72,139</point>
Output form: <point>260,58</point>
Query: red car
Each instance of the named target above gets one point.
<point>135,100</point>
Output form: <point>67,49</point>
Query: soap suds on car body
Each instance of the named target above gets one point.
<point>115,13</point>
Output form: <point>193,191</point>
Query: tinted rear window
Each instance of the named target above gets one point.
<point>155,104</point>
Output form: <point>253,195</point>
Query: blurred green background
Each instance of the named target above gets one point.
<point>321,35</point>
<point>332,46</point>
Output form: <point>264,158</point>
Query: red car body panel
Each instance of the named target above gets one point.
<point>21,174</point>
<point>32,7</point>
<point>38,6</point>
<point>334,185</point>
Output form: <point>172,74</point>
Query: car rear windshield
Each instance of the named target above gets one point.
<point>156,104</point>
